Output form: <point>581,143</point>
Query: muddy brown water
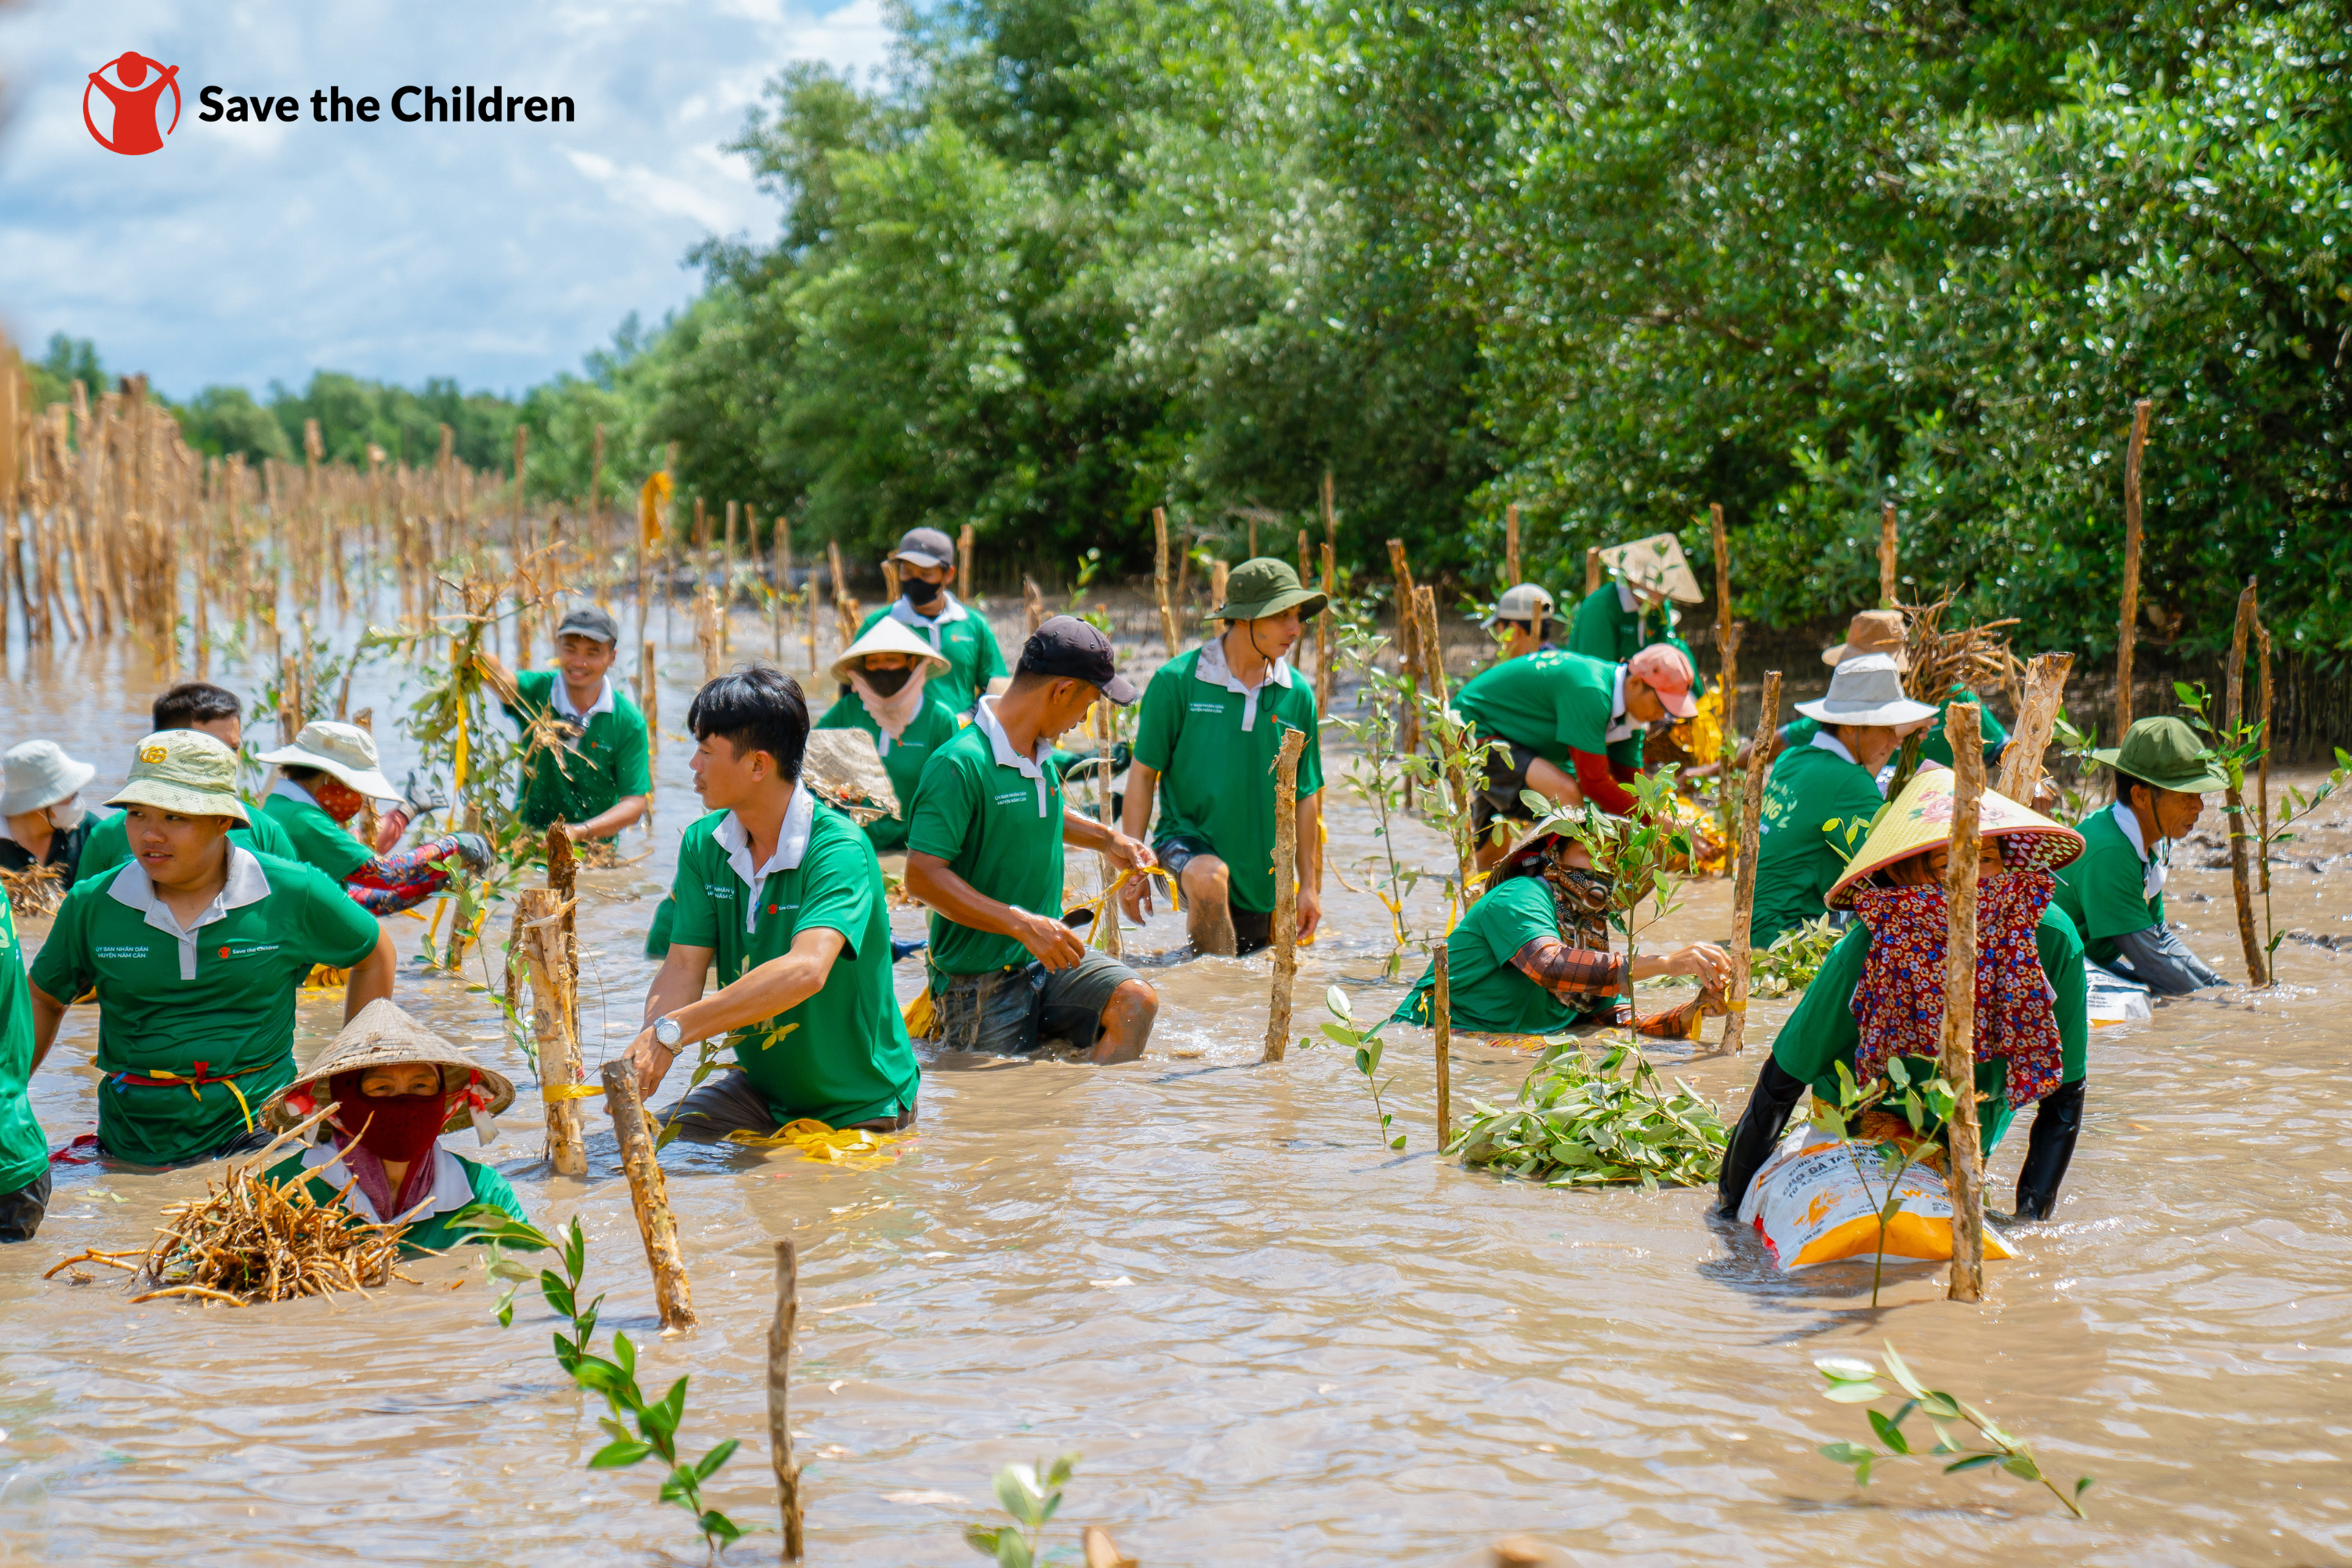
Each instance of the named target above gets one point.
<point>1269,1338</point>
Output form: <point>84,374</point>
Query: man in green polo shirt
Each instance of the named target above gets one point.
<point>1213,723</point>
<point>326,777</point>
<point>784,895</point>
<point>1822,797</point>
<point>24,1152</point>
<point>926,559</point>
<point>587,758</point>
<point>214,711</point>
<point>197,948</point>
<point>2114,893</point>
<point>888,672</point>
<point>1635,608</point>
<point>985,851</point>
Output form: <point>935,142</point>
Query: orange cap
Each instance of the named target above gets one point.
<point>1666,670</point>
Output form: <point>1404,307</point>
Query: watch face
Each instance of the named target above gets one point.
<point>667,1032</point>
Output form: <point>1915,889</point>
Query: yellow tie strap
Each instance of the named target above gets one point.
<point>571,1090</point>
<point>851,1146</point>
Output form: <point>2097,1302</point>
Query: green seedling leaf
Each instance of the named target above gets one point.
<point>1855,1392</point>
<point>1973,1462</point>
<point>1337,1000</point>
<point>2022,1466</point>
<point>2084,1484</point>
<point>717,1456</point>
<point>1901,1374</point>
<point>615,1455</point>
<point>1889,1434</point>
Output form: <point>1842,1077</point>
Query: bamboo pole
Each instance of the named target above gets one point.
<point>1160,578</point>
<point>1958,1054</point>
<point>1286,894</point>
<point>1743,878</point>
<point>1888,587</point>
<point>780,1388</point>
<point>1511,545</point>
<point>2037,716</point>
<point>2234,697</point>
<point>965,546</point>
<point>1323,636</point>
<point>1105,723</point>
<point>2262,763</point>
<point>546,955</point>
<point>1726,632</point>
<point>1442,1020</point>
<point>1591,570</point>
<point>2127,628</point>
<point>649,1197</point>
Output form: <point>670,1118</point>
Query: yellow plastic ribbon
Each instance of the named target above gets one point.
<point>851,1146</point>
<point>569,1090</point>
<point>196,1088</point>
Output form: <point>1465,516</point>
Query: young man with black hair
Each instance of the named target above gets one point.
<point>586,761</point>
<point>2114,893</point>
<point>926,559</point>
<point>784,893</point>
<point>984,847</point>
<point>210,710</point>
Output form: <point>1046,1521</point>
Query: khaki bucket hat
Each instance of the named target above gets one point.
<point>186,772</point>
<point>1266,586</point>
<point>345,751</point>
<point>1655,564</point>
<point>384,1036</point>
<point>1873,631</point>
<point>886,635</point>
<point>1920,819</point>
<point>2165,751</point>
<point>1866,690</point>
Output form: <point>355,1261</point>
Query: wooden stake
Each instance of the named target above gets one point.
<point>2127,629</point>
<point>2233,700</point>
<point>649,696</point>
<point>1160,577</point>
<point>2262,763</point>
<point>1591,570</point>
<point>1432,652</point>
<point>1218,571</point>
<point>546,954</point>
<point>710,616</point>
<point>1441,1019</point>
<point>1743,878</point>
<point>649,1197</point>
<point>808,595</point>
<point>1887,585</point>
<point>1033,603</point>
<point>1511,545</point>
<point>1323,636</point>
<point>1286,893</point>
<point>779,1389</point>
<point>964,550</point>
<point>1727,635</point>
<point>1962,727</point>
<point>1409,659</point>
<point>2037,716</point>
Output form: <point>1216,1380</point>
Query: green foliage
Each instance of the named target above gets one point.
<point>1926,1102</point>
<point>1032,1494</point>
<point>1790,962</point>
<point>1376,769</point>
<point>1855,1381</point>
<point>1581,1122</point>
<point>1634,850</point>
<point>1367,1047</point>
<point>69,359</point>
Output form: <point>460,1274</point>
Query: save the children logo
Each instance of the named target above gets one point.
<point>135,97</point>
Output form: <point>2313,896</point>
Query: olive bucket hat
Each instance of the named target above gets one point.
<point>2165,752</point>
<point>185,772</point>
<point>1266,586</point>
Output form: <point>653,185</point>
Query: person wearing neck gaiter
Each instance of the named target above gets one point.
<point>396,1086</point>
<point>888,672</point>
<point>926,559</point>
<point>1880,993</point>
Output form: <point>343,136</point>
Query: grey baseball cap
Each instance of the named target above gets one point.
<point>588,621</point>
<point>925,547</point>
<point>1068,646</point>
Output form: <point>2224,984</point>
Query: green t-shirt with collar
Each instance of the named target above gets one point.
<point>1215,749</point>
<point>24,1152</point>
<point>968,646</point>
<point>1485,989</point>
<point>612,762</point>
<point>219,1003</point>
<point>842,1057</point>
<point>912,751</point>
<point>318,840</point>
<point>1801,848</point>
<point>1000,830</point>
<point>1603,628</point>
<point>2105,890</point>
<point>109,844</point>
<point>1551,701</point>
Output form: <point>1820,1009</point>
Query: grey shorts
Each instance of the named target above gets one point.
<point>1253,928</point>
<point>727,1102</point>
<point>1010,1012</point>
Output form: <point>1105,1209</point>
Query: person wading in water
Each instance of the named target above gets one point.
<point>214,711</point>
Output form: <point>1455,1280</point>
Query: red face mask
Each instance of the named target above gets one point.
<point>399,1129</point>
<point>336,798</point>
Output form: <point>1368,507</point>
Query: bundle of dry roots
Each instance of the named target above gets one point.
<point>34,894</point>
<point>1974,657</point>
<point>249,1240</point>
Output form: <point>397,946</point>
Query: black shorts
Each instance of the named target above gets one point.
<point>1253,928</point>
<point>1507,774</point>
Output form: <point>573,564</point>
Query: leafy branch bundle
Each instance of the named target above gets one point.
<point>1855,1381</point>
<point>1581,1122</point>
<point>1792,962</point>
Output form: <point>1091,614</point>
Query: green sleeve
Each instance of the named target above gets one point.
<point>490,1187</point>
<point>2061,950</point>
<point>991,663</point>
<point>694,918</point>
<point>632,770</point>
<point>1594,630</point>
<point>267,835</point>
<point>64,969</point>
<point>944,804</point>
<point>1821,1032</point>
<point>1162,719</point>
<point>839,888</point>
<point>339,931</point>
<point>107,846</point>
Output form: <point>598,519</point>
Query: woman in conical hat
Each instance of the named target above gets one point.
<point>396,1086</point>
<point>1880,994</point>
<point>887,671</point>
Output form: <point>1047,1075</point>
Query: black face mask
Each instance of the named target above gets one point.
<point>919,596</point>
<point>887,682</point>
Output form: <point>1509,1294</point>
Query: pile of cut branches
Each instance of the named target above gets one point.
<point>1581,1122</point>
<point>35,892</point>
<point>1975,656</point>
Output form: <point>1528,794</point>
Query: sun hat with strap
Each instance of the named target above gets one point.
<point>185,772</point>
<point>384,1036</point>
<point>886,635</point>
<point>2165,751</point>
<point>1920,819</point>
<point>1266,586</point>
<point>40,774</point>
<point>345,750</point>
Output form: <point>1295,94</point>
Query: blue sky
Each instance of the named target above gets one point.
<point>495,254</point>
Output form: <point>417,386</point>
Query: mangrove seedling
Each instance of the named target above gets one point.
<point>1579,1122</point>
<point>1926,1103</point>
<point>1379,773</point>
<point>1032,1500</point>
<point>1855,1381</point>
<point>1792,961</point>
<point>1367,1046</point>
<point>712,1056</point>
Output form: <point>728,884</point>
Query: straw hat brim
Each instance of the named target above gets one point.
<point>181,801</point>
<point>1920,819</point>
<point>384,1036</point>
<point>369,781</point>
<point>2205,782</point>
<point>1655,563</point>
<point>886,635</point>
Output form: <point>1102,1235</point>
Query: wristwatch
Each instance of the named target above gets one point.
<point>668,1034</point>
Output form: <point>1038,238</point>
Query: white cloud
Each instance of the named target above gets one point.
<point>498,254</point>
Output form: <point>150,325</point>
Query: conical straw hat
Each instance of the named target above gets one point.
<point>844,767</point>
<point>886,635</point>
<point>1920,819</point>
<point>383,1035</point>
<point>1656,563</point>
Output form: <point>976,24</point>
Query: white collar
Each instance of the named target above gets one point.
<point>1621,725</point>
<point>792,844</point>
<point>906,614</point>
<point>2128,820</point>
<point>1826,741</point>
<point>1625,600</point>
<point>983,713</point>
<point>287,789</point>
<point>452,1189</point>
<point>1211,667</point>
<point>2154,868</point>
<point>132,888</point>
<point>559,696</point>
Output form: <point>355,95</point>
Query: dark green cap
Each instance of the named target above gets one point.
<point>2166,754</point>
<point>1266,586</point>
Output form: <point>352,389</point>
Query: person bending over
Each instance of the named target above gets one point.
<point>41,800</point>
<point>2114,893</point>
<point>586,749</point>
<point>325,777</point>
<point>214,710</point>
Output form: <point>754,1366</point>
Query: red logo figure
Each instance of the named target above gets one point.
<point>135,100</point>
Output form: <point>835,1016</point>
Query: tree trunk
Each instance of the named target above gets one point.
<point>1962,727</point>
<point>1743,882</point>
<point>2037,716</point>
<point>2233,709</point>
<point>649,1197</point>
<point>1286,893</point>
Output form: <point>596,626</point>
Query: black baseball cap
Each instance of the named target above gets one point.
<point>925,547</point>
<point>588,621</point>
<point>1069,648</point>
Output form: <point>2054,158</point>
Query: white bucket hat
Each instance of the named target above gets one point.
<point>886,635</point>
<point>343,751</point>
<point>40,774</point>
<point>1867,689</point>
